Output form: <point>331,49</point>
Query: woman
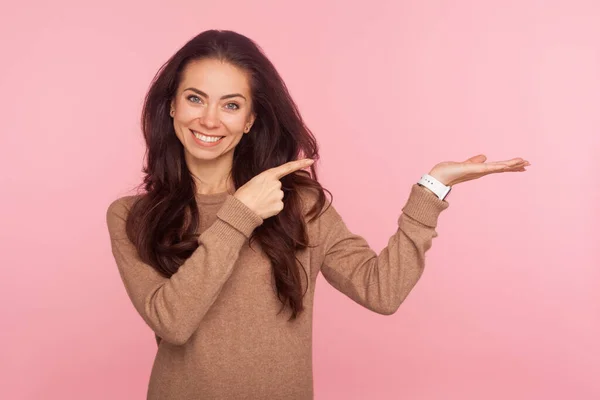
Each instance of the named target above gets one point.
<point>220,253</point>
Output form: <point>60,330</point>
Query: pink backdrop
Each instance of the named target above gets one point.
<point>509,305</point>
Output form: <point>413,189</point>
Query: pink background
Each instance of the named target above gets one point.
<point>509,305</point>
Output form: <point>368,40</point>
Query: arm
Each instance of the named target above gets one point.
<point>174,307</point>
<point>381,282</point>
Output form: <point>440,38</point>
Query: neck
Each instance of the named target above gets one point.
<point>211,176</point>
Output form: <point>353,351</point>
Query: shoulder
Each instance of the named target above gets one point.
<point>120,207</point>
<point>116,214</point>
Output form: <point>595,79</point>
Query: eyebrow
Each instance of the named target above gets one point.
<point>227,96</point>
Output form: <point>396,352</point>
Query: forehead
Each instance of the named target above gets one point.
<point>215,78</point>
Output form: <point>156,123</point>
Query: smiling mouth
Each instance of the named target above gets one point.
<point>206,138</point>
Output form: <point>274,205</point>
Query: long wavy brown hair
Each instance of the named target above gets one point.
<point>163,223</point>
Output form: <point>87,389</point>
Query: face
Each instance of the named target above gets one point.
<point>212,109</point>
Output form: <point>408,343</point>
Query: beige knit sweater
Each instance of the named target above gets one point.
<point>216,319</point>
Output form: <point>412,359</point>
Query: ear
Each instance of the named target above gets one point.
<point>250,122</point>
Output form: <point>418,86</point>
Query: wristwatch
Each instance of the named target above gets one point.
<point>437,187</point>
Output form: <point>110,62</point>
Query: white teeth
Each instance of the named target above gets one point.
<point>207,139</point>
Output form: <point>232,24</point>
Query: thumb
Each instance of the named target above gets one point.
<point>477,159</point>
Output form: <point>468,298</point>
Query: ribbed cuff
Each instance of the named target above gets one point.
<point>239,216</point>
<point>424,206</point>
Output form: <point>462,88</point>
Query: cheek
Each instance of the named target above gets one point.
<point>179,128</point>
<point>232,125</point>
<point>185,115</point>
<point>234,121</point>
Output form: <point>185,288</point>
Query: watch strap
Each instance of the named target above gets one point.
<point>437,187</point>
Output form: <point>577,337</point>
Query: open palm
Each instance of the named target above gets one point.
<point>450,173</point>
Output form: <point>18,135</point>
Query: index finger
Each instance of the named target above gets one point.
<point>290,167</point>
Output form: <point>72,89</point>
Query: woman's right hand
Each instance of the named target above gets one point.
<point>263,194</point>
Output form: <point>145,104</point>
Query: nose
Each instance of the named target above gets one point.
<point>210,118</point>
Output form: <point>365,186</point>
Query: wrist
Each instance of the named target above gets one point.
<point>434,186</point>
<point>437,176</point>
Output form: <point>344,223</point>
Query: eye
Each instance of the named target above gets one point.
<point>194,99</point>
<point>232,106</point>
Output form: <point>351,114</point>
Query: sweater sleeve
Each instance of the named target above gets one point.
<point>381,282</point>
<point>174,307</point>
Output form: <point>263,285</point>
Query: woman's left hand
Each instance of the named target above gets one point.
<point>450,173</point>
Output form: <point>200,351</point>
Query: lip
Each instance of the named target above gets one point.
<point>204,144</point>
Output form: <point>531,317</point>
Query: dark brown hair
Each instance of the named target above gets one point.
<point>163,223</point>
